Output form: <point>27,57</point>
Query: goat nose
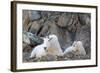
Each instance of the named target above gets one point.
<point>45,48</point>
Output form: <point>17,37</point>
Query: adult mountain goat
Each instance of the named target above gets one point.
<point>50,46</point>
<point>53,46</point>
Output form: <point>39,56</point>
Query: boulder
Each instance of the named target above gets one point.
<point>84,35</point>
<point>44,31</point>
<point>85,19</point>
<point>25,20</point>
<point>34,15</point>
<point>64,19</point>
<point>34,39</point>
<point>34,28</point>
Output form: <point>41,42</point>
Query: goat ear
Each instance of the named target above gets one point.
<point>74,43</point>
<point>48,33</point>
<point>50,39</point>
<point>47,37</point>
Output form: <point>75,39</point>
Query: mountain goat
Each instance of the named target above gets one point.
<point>77,48</point>
<point>50,46</point>
<point>39,50</point>
<point>54,47</point>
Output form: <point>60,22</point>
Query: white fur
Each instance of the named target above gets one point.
<point>77,48</point>
<point>39,50</point>
<point>80,47</point>
<point>68,50</point>
<point>54,46</point>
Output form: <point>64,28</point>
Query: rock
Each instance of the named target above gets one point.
<point>34,15</point>
<point>27,48</point>
<point>34,28</point>
<point>64,38</point>
<point>34,39</point>
<point>64,19</point>
<point>25,20</point>
<point>45,14</point>
<point>45,29</point>
<point>69,55</point>
<point>46,58</point>
<point>51,57</point>
<point>26,56</point>
<point>74,25</point>
<point>24,45</point>
<point>29,16</point>
<point>52,27</point>
<point>70,29</point>
<point>26,39</point>
<point>31,39</point>
<point>84,35</point>
<point>85,19</point>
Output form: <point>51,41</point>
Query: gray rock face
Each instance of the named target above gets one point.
<point>84,33</point>
<point>31,39</point>
<point>64,19</point>
<point>29,16</point>
<point>34,15</point>
<point>67,26</point>
<point>34,27</point>
<point>85,19</point>
<point>85,36</point>
<point>44,29</point>
<point>25,20</point>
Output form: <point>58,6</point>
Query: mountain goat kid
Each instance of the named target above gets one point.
<point>77,49</point>
<point>39,51</point>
